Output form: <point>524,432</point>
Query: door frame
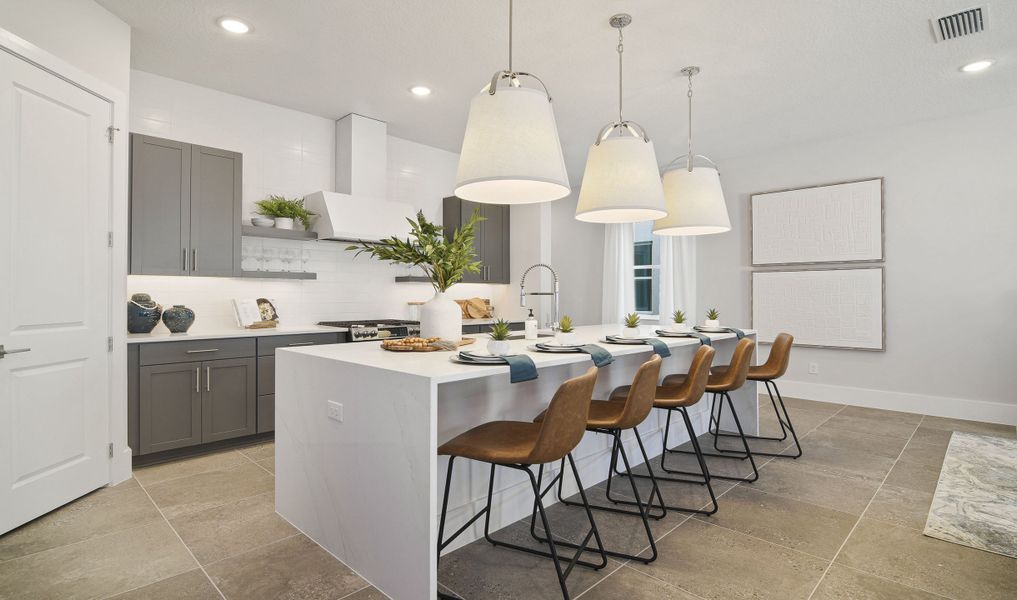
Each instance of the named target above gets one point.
<point>120,463</point>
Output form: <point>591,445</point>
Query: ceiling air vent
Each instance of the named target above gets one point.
<point>966,22</point>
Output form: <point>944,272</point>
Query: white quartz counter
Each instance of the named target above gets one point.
<point>232,332</point>
<point>437,367</point>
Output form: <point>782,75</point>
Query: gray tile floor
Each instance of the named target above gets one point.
<point>842,522</point>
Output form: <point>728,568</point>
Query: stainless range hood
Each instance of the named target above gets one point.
<point>358,208</point>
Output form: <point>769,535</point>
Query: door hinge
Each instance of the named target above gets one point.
<point>110,449</point>
<point>109,239</point>
<point>109,344</point>
<point>110,132</point>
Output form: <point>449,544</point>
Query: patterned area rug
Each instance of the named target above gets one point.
<point>976,500</point>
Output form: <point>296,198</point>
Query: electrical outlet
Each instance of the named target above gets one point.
<point>813,368</point>
<point>335,411</point>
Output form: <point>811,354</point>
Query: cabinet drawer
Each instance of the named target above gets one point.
<point>159,353</point>
<point>266,375</point>
<point>266,413</point>
<point>268,344</point>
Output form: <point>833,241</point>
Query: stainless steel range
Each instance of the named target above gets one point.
<point>383,329</point>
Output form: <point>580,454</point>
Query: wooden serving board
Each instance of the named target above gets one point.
<point>393,347</point>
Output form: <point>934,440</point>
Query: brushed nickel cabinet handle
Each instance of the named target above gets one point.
<point>194,259</point>
<point>202,351</point>
<point>208,379</point>
<point>183,261</point>
<point>301,344</point>
<point>197,379</point>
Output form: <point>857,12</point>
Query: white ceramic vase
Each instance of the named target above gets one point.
<point>441,317</point>
<point>711,323</point>
<point>498,347</point>
<point>283,223</point>
<point>565,339</point>
<point>630,332</point>
<point>678,327</point>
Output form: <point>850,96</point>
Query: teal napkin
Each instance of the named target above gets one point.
<point>703,338</point>
<point>659,347</point>
<point>521,367</point>
<point>600,357</point>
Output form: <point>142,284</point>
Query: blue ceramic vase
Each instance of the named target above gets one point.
<point>142,314</point>
<point>178,319</point>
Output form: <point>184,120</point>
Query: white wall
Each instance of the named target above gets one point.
<point>79,32</point>
<point>291,153</point>
<point>951,282</point>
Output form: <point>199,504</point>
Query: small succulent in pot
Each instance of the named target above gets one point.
<point>498,345</point>
<point>678,322</point>
<point>566,335</point>
<point>712,318</point>
<point>631,329</point>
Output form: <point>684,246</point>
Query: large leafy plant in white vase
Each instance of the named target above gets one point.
<point>444,259</point>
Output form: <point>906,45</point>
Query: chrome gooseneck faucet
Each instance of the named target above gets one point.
<point>523,294</point>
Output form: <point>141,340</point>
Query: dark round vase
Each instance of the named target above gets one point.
<point>178,319</point>
<point>142,314</point>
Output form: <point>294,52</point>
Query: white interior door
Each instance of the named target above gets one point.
<point>55,269</point>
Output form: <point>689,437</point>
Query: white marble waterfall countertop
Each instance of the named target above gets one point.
<point>228,332</point>
<point>437,367</point>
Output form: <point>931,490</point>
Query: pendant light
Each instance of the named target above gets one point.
<point>621,183</point>
<point>695,201</point>
<point>511,153</point>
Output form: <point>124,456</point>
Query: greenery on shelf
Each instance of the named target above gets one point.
<point>443,260</point>
<point>678,316</point>
<point>500,330</point>
<point>712,314</point>
<point>279,206</point>
<point>565,324</point>
<point>632,320</point>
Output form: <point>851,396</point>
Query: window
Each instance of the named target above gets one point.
<point>647,268</point>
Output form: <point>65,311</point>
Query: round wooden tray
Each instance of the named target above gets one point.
<point>392,347</point>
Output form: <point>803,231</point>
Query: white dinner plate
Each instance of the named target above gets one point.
<point>674,334</point>
<point>625,341</point>
<point>554,349</point>
<point>710,329</point>
<point>455,358</point>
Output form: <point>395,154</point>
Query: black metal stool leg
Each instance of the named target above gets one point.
<point>786,426</point>
<point>731,454</point>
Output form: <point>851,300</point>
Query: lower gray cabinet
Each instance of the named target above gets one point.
<point>229,406</point>
<point>266,413</point>
<point>169,410</point>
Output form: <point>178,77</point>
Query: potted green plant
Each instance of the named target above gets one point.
<point>678,324</point>
<point>443,259</point>
<point>566,335</point>
<point>284,211</point>
<point>712,319</point>
<point>631,329</point>
<point>498,344</point>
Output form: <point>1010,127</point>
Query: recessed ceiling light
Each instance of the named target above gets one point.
<point>234,25</point>
<point>978,65</point>
<point>420,90</point>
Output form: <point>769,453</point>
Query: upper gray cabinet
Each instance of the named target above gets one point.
<point>491,241</point>
<point>185,208</point>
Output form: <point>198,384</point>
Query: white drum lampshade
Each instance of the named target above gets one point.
<point>621,183</point>
<point>511,153</point>
<point>695,203</point>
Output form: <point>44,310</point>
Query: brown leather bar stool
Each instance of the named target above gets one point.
<point>720,385</point>
<point>612,418</point>
<point>680,398</point>
<point>519,445</point>
<point>774,368</point>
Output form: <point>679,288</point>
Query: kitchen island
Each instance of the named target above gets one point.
<point>357,430</point>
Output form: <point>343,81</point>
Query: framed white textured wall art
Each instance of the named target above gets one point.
<point>840,222</point>
<point>824,308</point>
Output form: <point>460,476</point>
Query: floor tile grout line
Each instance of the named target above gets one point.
<point>910,587</point>
<point>183,543</point>
<point>862,515</point>
<point>602,579</point>
<point>259,547</point>
<point>199,457</point>
<point>356,592</point>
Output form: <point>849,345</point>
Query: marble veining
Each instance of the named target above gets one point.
<point>976,499</point>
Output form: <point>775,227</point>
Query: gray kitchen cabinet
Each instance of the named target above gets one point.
<point>491,241</point>
<point>185,208</point>
<point>266,413</point>
<point>160,206</point>
<point>170,406</point>
<point>229,406</point>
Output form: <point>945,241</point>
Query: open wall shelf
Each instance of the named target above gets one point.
<point>272,232</point>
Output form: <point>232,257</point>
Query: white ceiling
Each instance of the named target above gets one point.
<point>774,73</point>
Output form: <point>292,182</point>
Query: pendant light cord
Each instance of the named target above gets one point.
<point>510,36</point>
<point>690,123</point>
<point>621,49</point>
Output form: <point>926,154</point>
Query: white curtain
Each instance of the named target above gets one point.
<point>619,294</point>
<point>677,277</point>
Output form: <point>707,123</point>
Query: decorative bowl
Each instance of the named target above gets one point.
<point>262,222</point>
